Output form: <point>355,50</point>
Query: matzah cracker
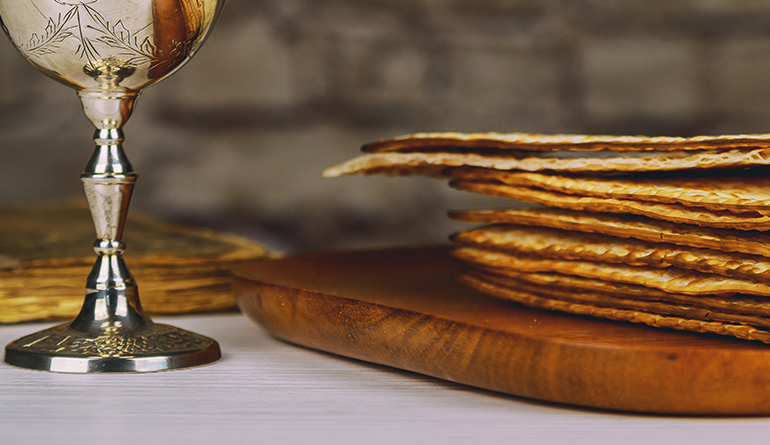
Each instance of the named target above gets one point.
<point>739,304</point>
<point>677,309</point>
<point>736,194</point>
<point>418,163</point>
<point>529,141</point>
<point>569,245</point>
<point>668,279</point>
<point>626,226</point>
<point>655,320</point>
<point>676,213</point>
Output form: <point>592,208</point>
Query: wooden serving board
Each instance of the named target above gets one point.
<point>401,308</point>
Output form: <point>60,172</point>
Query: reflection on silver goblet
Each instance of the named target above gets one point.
<point>108,51</point>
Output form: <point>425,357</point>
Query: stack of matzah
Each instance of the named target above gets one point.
<point>662,231</point>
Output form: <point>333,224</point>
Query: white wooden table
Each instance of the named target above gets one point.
<point>268,392</point>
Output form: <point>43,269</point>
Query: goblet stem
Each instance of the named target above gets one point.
<point>112,298</point>
<point>111,333</point>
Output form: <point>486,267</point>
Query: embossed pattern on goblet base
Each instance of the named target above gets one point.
<point>159,347</point>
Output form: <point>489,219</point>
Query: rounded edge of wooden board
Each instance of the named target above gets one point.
<point>663,379</point>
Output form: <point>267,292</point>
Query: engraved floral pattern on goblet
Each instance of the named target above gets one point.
<point>140,40</point>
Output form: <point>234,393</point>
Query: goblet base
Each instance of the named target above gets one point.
<point>157,347</point>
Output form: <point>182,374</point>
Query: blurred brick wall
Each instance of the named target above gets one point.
<point>237,140</point>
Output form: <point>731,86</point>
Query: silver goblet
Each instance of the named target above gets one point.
<point>108,51</point>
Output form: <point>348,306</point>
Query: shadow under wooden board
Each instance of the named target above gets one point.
<point>401,308</point>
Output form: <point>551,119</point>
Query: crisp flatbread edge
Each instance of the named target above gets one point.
<point>675,213</point>
<point>737,304</point>
<point>539,142</point>
<point>571,245</point>
<point>655,320</point>
<point>419,163</point>
<point>667,279</point>
<point>668,308</point>
<point>735,194</point>
<point>625,226</point>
